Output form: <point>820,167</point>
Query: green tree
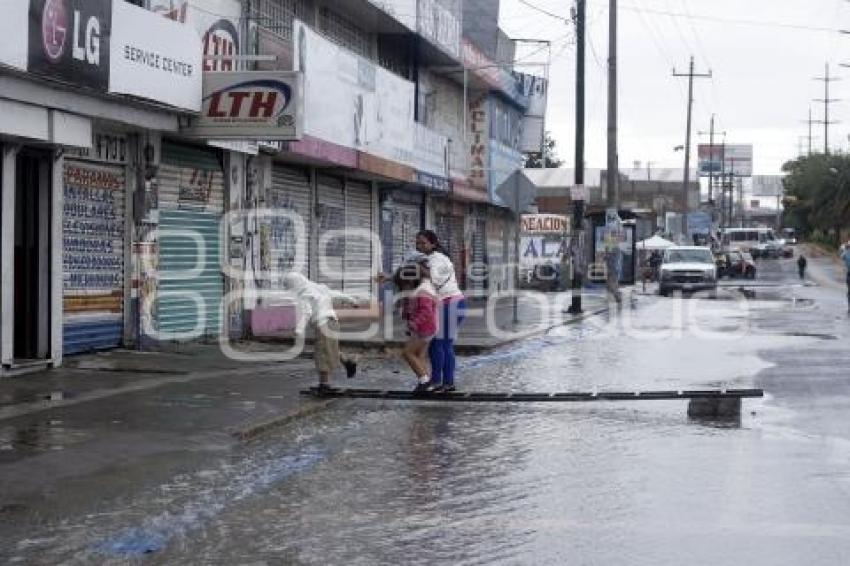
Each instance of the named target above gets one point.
<point>817,194</point>
<point>534,160</point>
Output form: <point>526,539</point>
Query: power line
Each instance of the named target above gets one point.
<point>735,21</point>
<point>546,12</point>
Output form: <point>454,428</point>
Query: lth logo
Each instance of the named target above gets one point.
<point>54,28</point>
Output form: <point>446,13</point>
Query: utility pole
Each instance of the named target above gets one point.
<point>691,75</point>
<point>711,175</point>
<point>613,173</point>
<point>826,102</point>
<point>576,247</point>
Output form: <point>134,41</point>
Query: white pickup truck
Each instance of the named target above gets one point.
<point>687,268</point>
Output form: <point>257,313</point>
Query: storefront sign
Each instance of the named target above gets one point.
<point>217,23</point>
<point>114,46</point>
<point>545,223</point>
<point>478,128</point>
<point>69,40</point>
<point>252,105</point>
<point>432,182</point>
<point>154,58</point>
<point>105,147</point>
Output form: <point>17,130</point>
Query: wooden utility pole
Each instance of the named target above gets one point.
<point>691,75</point>
<point>576,247</point>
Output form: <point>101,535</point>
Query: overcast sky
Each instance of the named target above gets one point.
<point>763,56</point>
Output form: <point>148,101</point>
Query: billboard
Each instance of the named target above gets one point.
<point>353,102</point>
<point>730,159</point>
<point>536,90</point>
<point>767,185</point>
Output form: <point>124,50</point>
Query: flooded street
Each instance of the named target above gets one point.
<point>388,482</point>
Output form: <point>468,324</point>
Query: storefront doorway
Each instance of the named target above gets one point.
<point>32,285</point>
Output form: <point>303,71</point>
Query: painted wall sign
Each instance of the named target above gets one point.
<point>93,229</point>
<point>254,105</point>
<point>69,40</point>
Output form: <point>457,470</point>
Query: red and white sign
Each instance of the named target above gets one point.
<point>251,105</point>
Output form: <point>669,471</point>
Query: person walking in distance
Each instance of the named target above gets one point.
<point>801,266</point>
<point>452,310</point>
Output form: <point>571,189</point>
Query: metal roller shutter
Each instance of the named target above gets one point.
<point>289,192</point>
<point>496,256</point>
<point>359,266</point>
<point>190,280</point>
<point>406,222</point>
<point>449,230</point>
<point>477,272</point>
<point>93,256</point>
<point>330,214</point>
<point>191,284</point>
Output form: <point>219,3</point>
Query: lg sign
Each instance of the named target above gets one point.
<point>69,39</point>
<point>252,101</point>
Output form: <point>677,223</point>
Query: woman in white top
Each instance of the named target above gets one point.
<point>451,314</point>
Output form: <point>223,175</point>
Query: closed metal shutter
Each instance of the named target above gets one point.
<point>477,271</point>
<point>93,256</point>
<point>359,265</point>
<point>289,192</point>
<point>190,279</point>
<point>496,256</point>
<point>449,230</point>
<point>330,214</point>
<point>191,284</point>
<point>406,222</point>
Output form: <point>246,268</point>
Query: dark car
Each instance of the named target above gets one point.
<point>737,264</point>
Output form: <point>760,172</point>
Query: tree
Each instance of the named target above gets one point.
<point>817,193</point>
<point>534,161</point>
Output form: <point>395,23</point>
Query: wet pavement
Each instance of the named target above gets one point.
<point>382,482</point>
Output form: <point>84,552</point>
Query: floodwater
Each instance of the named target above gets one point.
<point>384,482</point>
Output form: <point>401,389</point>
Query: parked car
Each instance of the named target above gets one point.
<point>688,268</point>
<point>738,264</point>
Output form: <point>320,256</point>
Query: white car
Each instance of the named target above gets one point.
<point>687,268</point>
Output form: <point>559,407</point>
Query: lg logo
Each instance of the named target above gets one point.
<point>54,33</point>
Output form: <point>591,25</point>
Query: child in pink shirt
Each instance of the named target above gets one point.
<point>419,311</point>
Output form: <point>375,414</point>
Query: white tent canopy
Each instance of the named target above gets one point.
<point>654,243</point>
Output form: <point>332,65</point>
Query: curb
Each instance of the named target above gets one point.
<point>253,430</point>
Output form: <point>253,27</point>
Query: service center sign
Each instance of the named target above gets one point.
<point>251,105</point>
<point>155,58</point>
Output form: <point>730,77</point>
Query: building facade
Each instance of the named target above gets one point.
<point>122,226</point>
